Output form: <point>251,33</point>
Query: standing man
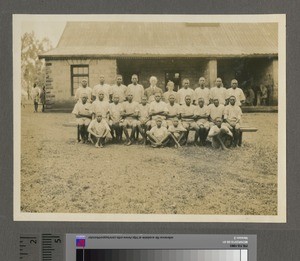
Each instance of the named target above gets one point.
<point>184,91</point>
<point>202,91</point>
<point>84,89</point>
<point>102,86</point>
<point>150,91</point>
<point>187,115</point>
<point>170,91</point>
<point>236,92</point>
<point>35,95</point>
<point>119,89</point>
<point>218,92</point>
<point>137,90</point>
<point>232,119</point>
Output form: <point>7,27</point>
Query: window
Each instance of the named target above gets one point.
<point>78,72</point>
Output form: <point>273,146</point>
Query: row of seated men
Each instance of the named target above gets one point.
<point>158,122</point>
<point>138,91</point>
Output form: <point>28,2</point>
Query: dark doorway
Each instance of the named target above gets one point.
<point>175,77</point>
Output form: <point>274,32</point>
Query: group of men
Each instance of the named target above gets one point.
<point>161,118</point>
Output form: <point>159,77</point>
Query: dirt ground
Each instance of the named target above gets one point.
<point>59,175</point>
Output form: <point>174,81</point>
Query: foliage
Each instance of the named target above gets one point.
<point>32,68</point>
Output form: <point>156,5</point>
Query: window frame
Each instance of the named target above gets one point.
<point>78,75</point>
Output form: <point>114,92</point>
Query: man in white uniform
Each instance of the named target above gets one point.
<point>102,86</point>
<point>158,135</point>
<point>201,117</point>
<point>218,92</point>
<point>137,90</point>
<point>143,118</point>
<point>82,111</point>
<point>216,110</point>
<point>174,110</point>
<point>184,91</point>
<point>202,91</point>
<point>100,106</point>
<point>115,116</point>
<point>84,88</point>
<point>98,130</point>
<point>158,109</point>
<point>232,119</point>
<point>119,89</point>
<point>236,92</point>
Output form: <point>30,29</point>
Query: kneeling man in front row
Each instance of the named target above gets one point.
<point>98,130</point>
<point>158,135</point>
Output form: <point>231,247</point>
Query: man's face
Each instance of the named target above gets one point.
<point>201,102</point>
<point>175,123</point>
<point>188,100</point>
<point>116,99</point>
<point>119,80</point>
<point>99,117</point>
<point>219,82</point>
<point>216,102</point>
<point>186,84</point>
<point>171,99</point>
<point>101,96</point>
<point>144,101</point>
<point>134,79</point>
<point>218,122</point>
<point>234,84</point>
<point>84,99</point>
<point>153,81</point>
<point>202,82</point>
<point>157,97</point>
<point>84,83</point>
<point>158,123</point>
<point>102,80</point>
<point>232,100</point>
<point>129,97</point>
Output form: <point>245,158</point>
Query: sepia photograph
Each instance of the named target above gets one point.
<point>164,118</point>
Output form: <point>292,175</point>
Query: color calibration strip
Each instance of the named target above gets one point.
<point>161,255</point>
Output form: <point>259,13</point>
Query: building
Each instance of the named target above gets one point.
<point>170,51</point>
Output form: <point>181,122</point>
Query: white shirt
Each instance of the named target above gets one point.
<point>100,107</point>
<point>157,107</point>
<point>189,110</point>
<point>184,92</point>
<point>137,92</point>
<point>173,110</point>
<point>115,111</point>
<point>107,90</point>
<point>204,111</point>
<point>120,91</point>
<point>159,133</point>
<point>237,93</point>
<point>143,111</point>
<point>167,94</point>
<point>218,93</point>
<point>83,109</point>
<point>232,112</point>
<point>130,107</point>
<point>98,127</point>
<point>87,90</point>
<point>216,112</point>
<point>202,93</point>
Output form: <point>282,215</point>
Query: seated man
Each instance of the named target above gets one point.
<point>83,116</point>
<point>130,114</point>
<point>201,117</point>
<point>158,109</point>
<point>220,136</point>
<point>187,115</point>
<point>98,130</point>
<point>100,106</point>
<point>174,110</point>
<point>232,118</point>
<point>115,111</point>
<point>143,118</point>
<point>177,132</point>
<point>158,135</point>
<point>216,110</point>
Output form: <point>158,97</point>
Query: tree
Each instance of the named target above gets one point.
<point>32,68</point>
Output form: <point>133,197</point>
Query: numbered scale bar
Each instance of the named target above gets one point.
<point>44,247</point>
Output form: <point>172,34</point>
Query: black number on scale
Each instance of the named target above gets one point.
<point>33,241</point>
<point>57,240</point>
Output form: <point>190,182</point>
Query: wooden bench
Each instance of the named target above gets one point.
<point>246,129</point>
